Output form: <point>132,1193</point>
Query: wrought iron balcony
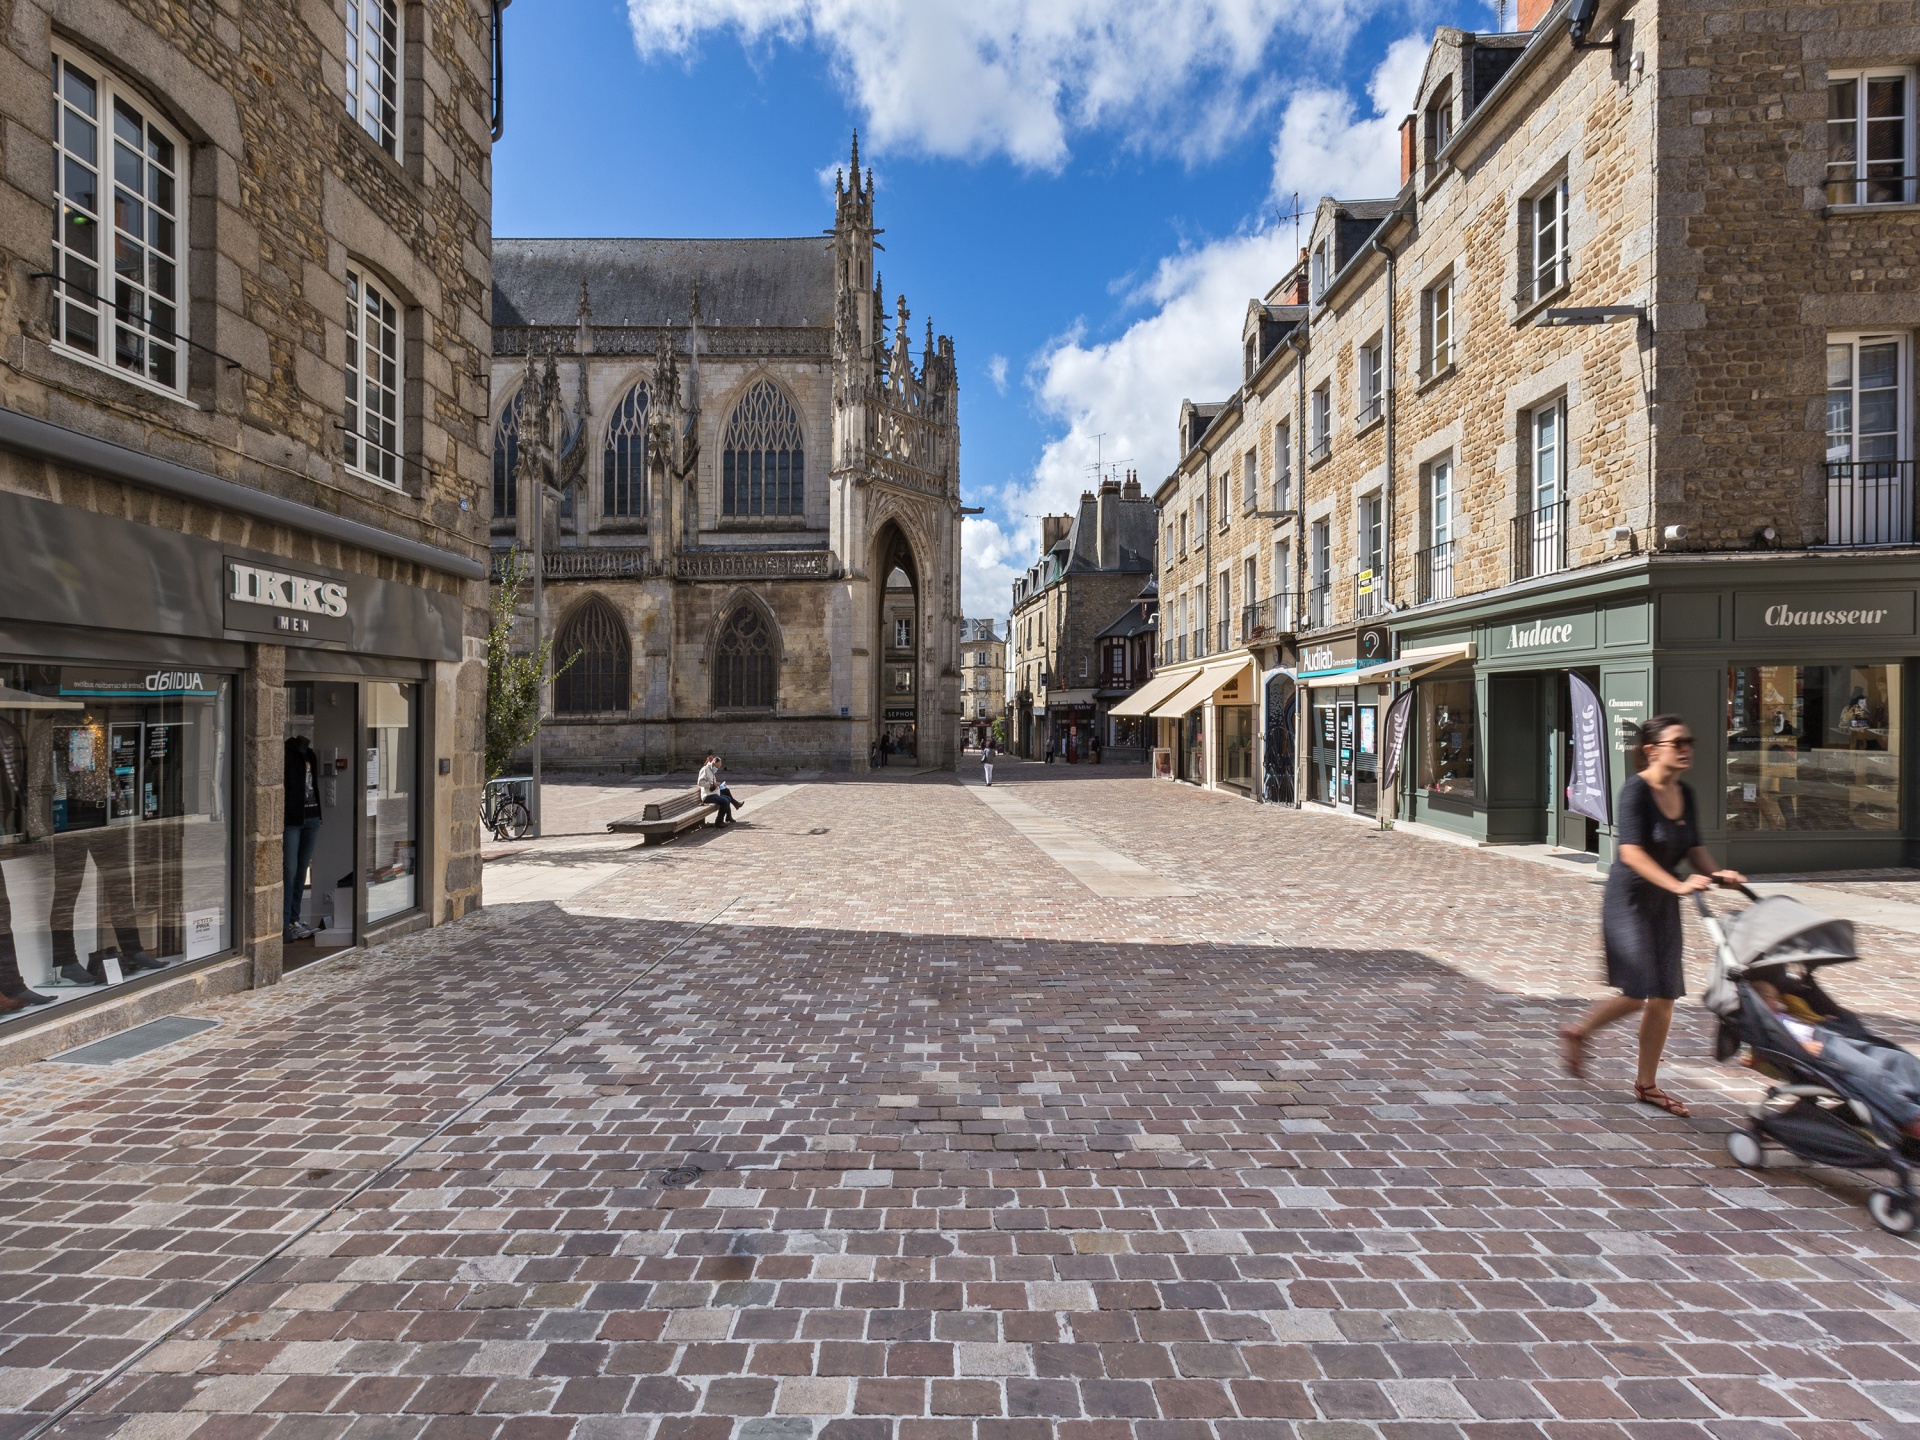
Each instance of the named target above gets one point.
<point>1273,616</point>
<point>1369,411</point>
<point>1369,593</point>
<point>1199,645</point>
<point>1870,502</point>
<point>1319,607</point>
<point>1435,566</point>
<point>1321,448</point>
<point>1224,630</point>
<point>1540,541</point>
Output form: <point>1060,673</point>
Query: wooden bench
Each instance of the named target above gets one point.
<point>664,819</point>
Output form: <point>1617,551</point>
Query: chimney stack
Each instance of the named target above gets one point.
<point>1109,524</point>
<point>1052,527</point>
<point>1409,146</point>
<point>1532,12</point>
<point>1131,490</point>
<point>1299,296</point>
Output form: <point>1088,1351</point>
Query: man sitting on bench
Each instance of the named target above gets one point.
<point>714,791</point>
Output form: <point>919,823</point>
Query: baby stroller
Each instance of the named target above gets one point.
<point>1810,1108</point>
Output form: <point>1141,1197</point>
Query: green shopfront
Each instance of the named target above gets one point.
<point>1797,672</point>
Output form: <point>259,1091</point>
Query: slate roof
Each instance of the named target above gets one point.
<point>743,283</point>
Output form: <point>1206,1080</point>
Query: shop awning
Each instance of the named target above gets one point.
<point>11,699</point>
<point>1410,665</point>
<point>1141,701</point>
<point>1209,679</point>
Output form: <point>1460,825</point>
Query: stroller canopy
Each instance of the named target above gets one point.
<point>1781,931</point>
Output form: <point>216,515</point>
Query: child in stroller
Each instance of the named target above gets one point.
<point>1838,1094</point>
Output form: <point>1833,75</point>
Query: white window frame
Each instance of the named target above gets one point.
<point>1370,379</point>
<point>96,287</point>
<point>1249,480</point>
<point>1437,325</point>
<point>1318,268</point>
<point>902,633</point>
<point>1320,420</point>
<point>1547,451</point>
<point>1440,503</point>
<point>376,418</point>
<point>376,86</point>
<point>1857,188</point>
<point>1370,543</point>
<point>1549,254</point>
<point>1903,391</point>
<point>1282,465</point>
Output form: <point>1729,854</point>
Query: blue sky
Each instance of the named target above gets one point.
<point>1084,194</point>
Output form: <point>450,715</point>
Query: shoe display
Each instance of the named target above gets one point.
<point>140,961</point>
<point>22,999</point>
<point>74,973</point>
<point>301,931</point>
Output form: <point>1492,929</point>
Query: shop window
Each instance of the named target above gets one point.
<point>598,679</point>
<point>120,236</point>
<point>1813,747</point>
<point>623,467</point>
<point>392,844</point>
<point>115,825</point>
<point>373,381</point>
<point>1446,738</point>
<point>373,69</point>
<point>1236,744</point>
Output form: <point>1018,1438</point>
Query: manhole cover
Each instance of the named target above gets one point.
<point>679,1177</point>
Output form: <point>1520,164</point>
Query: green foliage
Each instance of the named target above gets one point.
<point>513,679</point>
<point>1000,733</point>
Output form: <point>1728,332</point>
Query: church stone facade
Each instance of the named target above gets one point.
<point>745,493</point>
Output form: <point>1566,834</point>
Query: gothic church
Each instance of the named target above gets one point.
<point>745,492</point>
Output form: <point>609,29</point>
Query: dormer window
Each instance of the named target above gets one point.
<point>1320,273</point>
<point>1439,126</point>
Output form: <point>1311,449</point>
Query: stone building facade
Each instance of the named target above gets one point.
<point>1092,566</point>
<point>244,277</point>
<point>983,662</point>
<point>743,474</point>
<point>1617,386</point>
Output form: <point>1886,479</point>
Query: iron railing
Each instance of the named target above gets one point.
<point>1321,448</point>
<point>1198,647</point>
<point>1435,566</point>
<point>1369,593</point>
<point>1369,411</point>
<point>1269,617</point>
<point>1224,630</point>
<point>1540,541</point>
<point>1870,502</point>
<point>1319,607</point>
<point>1872,189</point>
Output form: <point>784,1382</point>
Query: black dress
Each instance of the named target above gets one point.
<point>1639,921</point>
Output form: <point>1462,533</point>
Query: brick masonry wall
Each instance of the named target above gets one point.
<point>286,193</point>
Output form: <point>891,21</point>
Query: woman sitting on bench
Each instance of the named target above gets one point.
<point>714,792</point>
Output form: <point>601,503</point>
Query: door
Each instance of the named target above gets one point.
<point>1325,751</point>
<point>1344,787</point>
<point>1570,831</point>
<point>1366,762</point>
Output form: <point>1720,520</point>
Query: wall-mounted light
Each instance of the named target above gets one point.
<point>1674,534</point>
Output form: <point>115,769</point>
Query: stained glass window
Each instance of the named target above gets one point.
<point>624,466</point>
<point>600,679</point>
<point>506,462</point>
<point>763,460</point>
<point>743,663</point>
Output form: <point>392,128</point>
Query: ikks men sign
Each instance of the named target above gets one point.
<point>1822,615</point>
<point>274,600</point>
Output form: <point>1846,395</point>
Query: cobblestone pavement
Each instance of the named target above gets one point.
<point>870,1119</point>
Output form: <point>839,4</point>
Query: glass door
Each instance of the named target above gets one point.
<point>391,780</point>
<point>1344,796</point>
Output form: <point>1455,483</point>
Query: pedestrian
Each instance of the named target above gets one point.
<point>886,751</point>
<point>873,754</point>
<point>1094,746</point>
<point>1657,828</point>
<point>714,791</point>
<point>1050,744</point>
<point>986,760</point>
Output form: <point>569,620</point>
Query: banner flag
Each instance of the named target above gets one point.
<point>1396,747</point>
<point>1587,785</point>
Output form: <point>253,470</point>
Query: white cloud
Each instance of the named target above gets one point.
<point>972,78</point>
<point>1323,149</point>
<point>997,373</point>
<point>1187,346</point>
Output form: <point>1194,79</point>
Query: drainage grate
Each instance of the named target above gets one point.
<point>137,1041</point>
<point>680,1177</point>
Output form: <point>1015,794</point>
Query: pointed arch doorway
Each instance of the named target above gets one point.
<point>898,682</point>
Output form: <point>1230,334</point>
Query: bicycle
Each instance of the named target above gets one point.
<point>503,812</point>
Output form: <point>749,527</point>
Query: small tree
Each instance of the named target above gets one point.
<point>513,678</point>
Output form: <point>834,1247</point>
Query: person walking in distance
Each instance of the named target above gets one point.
<point>1657,830</point>
<point>986,758</point>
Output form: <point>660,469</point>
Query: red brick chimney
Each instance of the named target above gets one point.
<point>1299,296</point>
<point>1532,12</point>
<point>1409,138</point>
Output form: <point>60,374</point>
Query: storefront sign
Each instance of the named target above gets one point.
<point>1822,615</point>
<point>900,714</point>
<point>1587,784</point>
<point>1541,635</point>
<point>1319,657</point>
<point>1346,652</point>
<point>285,602</point>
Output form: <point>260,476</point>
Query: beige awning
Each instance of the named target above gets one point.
<point>11,699</point>
<point>1141,701</point>
<point>1201,686</point>
<point>1410,665</point>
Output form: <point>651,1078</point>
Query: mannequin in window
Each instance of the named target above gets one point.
<point>301,798</point>
<point>14,991</point>
<point>110,849</point>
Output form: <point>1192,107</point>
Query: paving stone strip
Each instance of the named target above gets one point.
<point>923,1139</point>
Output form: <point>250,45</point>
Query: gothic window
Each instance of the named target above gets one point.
<point>624,467</point>
<point>763,461</point>
<point>598,681</point>
<point>743,663</point>
<point>506,462</point>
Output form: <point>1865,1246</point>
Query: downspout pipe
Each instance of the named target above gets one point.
<point>1206,580</point>
<point>1303,715</point>
<point>1390,516</point>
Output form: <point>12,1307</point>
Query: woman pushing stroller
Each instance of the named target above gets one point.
<point>1656,831</point>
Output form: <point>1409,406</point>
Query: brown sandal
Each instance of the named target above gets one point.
<point>1573,1051</point>
<point>1653,1095</point>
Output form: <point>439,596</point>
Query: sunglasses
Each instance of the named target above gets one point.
<point>1682,742</point>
